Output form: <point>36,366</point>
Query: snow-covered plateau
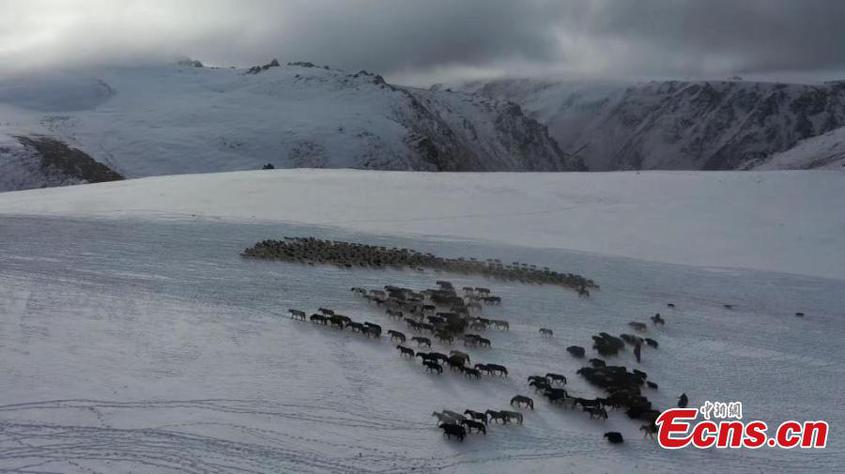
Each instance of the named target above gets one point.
<point>135,338</point>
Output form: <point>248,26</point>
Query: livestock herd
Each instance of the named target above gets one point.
<point>310,250</point>
<point>443,315</point>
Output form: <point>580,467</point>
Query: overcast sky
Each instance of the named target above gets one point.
<point>428,40</point>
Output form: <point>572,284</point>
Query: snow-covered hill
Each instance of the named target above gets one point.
<point>825,151</point>
<point>146,121</point>
<point>676,124</point>
<point>759,220</point>
<point>134,338</point>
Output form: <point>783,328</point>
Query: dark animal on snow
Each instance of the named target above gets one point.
<point>556,378</point>
<point>539,384</point>
<point>476,415</point>
<point>433,367</point>
<point>372,329</point>
<point>470,372</point>
<point>597,363</point>
<point>546,332</point>
<point>318,319</point>
<point>651,385</point>
<point>648,430</point>
<point>326,311</point>
<point>356,327</point>
<point>297,314</point>
<point>522,401</point>
<point>513,416</point>
<point>596,412</point>
<point>728,306</point>
<point>656,319</point>
<point>799,314</point>
<point>422,341</point>
<point>651,342</point>
<point>614,437</point>
<point>462,355</point>
<point>396,335</point>
<point>638,326</point>
<point>576,351</point>
<point>670,305</point>
<point>497,416</point>
<point>425,356</point>
<point>455,362</point>
<point>444,337</point>
<point>474,425</point>
<point>405,351</point>
<point>683,401</point>
<point>451,429</point>
<point>497,369</point>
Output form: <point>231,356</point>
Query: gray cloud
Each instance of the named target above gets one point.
<point>436,38</point>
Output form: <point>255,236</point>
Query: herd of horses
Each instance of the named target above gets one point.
<point>444,315</point>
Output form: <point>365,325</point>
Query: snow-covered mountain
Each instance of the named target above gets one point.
<point>677,124</point>
<point>145,121</point>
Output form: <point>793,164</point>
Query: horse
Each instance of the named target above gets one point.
<point>556,378</point>
<point>455,363</point>
<point>596,363</point>
<point>356,327</point>
<point>444,337</point>
<point>396,335</point>
<point>405,351</point>
<point>497,416</point>
<point>496,368</point>
<point>576,351</point>
<point>318,319</point>
<point>470,372</point>
<point>462,355</point>
<point>501,324</point>
<point>426,357</point>
<point>433,367</point>
<point>476,415</point>
<point>596,412</point>
<point>513,415</point>
<point>372,329</point>
<point>638,326</point>
<point>648,430</point>
<point>539,383</point>
<point>474,425</point>
<point>326,311</point>
<point>451,429</point>
<point>482,342</point>
<point>546,332</point>
<point>656,319</point>
<point>422,341</point>
<point>297,314</point>
<point>522,401</point>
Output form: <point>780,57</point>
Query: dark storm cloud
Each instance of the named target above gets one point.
<point>405,37</point>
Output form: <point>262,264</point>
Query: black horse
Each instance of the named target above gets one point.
<point>452,429</point>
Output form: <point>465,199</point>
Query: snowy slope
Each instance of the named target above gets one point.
<point>820,152</point>
<point>675,124</point>
<point>146,121</point>
<point>142,342</point>
<point>770,221</point>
